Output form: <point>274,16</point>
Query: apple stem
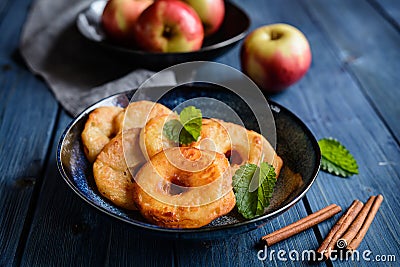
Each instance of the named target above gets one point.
<point>167,33</point>
<point>275,35</point>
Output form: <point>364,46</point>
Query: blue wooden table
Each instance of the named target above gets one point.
<point>351,92</point>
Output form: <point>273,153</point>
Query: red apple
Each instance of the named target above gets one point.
<point>211,13</point>
<point>119,18</point>
<point>275,56</point>
<point>169,26</point>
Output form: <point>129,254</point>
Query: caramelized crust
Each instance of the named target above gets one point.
<point>111,172</point>
<point>184,188</point>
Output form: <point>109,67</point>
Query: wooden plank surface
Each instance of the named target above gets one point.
<point>368,47</point>
<point>390,9</point>
<point>242,250</point>
<point>27,115</point>
<point>332,103</point>
<point>71,231</point>
<point>344,95</point>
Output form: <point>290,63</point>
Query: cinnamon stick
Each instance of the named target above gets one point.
<point>361,233</point>
<point>339,228</point>
<point>356,225</point>
<point>303,220</point>
<point>301,225</point>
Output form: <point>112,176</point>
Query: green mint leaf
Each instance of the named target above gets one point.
<point>187,129</point>
<point>329,167</point>
<point>252,203</point>
<point>336,159</point>
<point>172,130</point>
<point>246,201</point>
<point>191,119</point>
<point>185,138</point>
<point>266,187</point>
<point>175,132</point>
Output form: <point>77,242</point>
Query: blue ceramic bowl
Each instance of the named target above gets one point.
<point>295,144</point>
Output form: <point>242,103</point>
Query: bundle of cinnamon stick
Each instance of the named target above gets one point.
<point>347,233</point>
<point>350,229</point>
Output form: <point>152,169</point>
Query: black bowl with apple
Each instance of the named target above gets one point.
<point>233,29</point>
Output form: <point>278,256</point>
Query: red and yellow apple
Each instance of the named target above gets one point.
<point>169,26</point>
<point>211,13</point>
<point>275,56</point>
<point>119,18</point>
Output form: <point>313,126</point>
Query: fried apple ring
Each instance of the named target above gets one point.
<point>250,147</point>
<point>138,113</point>
<point>105,122</point>
<point>152,138</point>
<point>99,129</point>
<point>184,187</point>
<point>213,136</point>
<point>111,173</point>
<point>236,142</point>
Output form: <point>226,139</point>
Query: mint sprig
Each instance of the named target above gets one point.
<point>336,159</point>
<point>191,119</point>
<point>251,202</point>
<point>187,129</point>
<point>172,130</point>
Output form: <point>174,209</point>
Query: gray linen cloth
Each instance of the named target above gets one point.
<point>77,71</point>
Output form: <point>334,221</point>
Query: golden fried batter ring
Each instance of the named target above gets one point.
<point>111,173</point>
<point>250,147</point>
<point>236,142</point>
<point>138,113</point>
<point>105,122</point>
<point>213,136</point>
<point>152,138</point>
<point>184,188</point>
<point>99,128</point>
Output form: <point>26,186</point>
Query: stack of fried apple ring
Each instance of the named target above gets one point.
<point>108,132</point>
<point>136,166</point>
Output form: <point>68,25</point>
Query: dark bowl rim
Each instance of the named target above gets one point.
<point>154,228</point>
<point>218,45</point>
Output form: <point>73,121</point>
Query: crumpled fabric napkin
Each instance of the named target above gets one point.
<point>78,72</point>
